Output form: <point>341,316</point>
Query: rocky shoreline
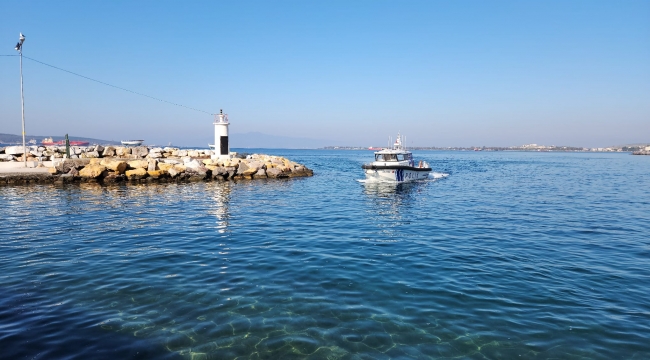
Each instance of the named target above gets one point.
<point>141,164</point>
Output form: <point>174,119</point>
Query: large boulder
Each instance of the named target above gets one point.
<point>165,166</point>
<point>155,154</point>
<point>247,168</point>
<point>90,154</point>
<point>220,171</point>
<point>200,171</point>
<point>230,170</point>
<point>275,173</point>
<point>92,171</point>
<point>114,165</point>
<point>138,164</point>
<point>260,174</point>
<point>122,151</point>
<point>136,174</point>
<point>6,157</point>
<point>301,171</point>
<point>67,164</point>
<point>108,151</point>
<point>152,164</point>
<point>140,151</point>
<point>173,172</point>
<point>156,173</point>
<point>14,150</point>
<point>193,164</point>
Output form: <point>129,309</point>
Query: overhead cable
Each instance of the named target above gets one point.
<point>113,86</point>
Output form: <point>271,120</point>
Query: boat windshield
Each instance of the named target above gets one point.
<point>385,157</point>
<point>392,157</point>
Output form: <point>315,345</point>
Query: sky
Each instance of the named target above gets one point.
<point>443,73</point>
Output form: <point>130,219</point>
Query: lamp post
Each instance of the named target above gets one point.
<point>19,48</point>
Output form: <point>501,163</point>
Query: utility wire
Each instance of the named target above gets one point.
<point>113,86</point>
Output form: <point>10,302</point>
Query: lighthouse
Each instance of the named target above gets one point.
<point>221,148</point>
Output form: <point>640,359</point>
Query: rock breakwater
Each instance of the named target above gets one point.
<point>142,164</point>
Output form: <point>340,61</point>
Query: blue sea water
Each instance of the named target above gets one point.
<point>512,255</point>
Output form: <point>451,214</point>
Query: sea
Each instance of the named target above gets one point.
<point>499,255</point>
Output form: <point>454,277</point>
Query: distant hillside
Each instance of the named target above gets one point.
<point>17,139</point>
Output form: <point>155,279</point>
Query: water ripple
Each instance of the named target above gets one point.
<point>511,255</point>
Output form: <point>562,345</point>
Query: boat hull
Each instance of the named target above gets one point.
<point>395,173</point>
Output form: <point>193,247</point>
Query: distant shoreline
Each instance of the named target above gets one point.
<point>596,150</point>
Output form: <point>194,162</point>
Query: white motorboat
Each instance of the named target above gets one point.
<point>396,164</point>
<point>132,142</point>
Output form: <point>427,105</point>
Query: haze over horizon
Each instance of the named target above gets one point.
<point>465,73</point>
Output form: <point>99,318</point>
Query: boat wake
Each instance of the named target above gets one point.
<point>436,176</point>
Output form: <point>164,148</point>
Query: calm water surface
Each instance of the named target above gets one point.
<point>513,255</point>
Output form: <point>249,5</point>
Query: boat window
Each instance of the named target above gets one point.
<point>385,157</point>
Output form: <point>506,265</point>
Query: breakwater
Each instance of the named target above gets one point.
<point>142,164</point>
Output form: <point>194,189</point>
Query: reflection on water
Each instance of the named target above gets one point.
<point>220,193</point>
<point>393,190</point>
<point>386,189</point>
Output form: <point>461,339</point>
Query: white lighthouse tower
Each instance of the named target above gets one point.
<point>221,148</point>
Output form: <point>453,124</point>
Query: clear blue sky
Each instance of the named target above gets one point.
<point>444,73</point>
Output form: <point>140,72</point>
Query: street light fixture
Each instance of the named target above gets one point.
<point>19,48</point>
